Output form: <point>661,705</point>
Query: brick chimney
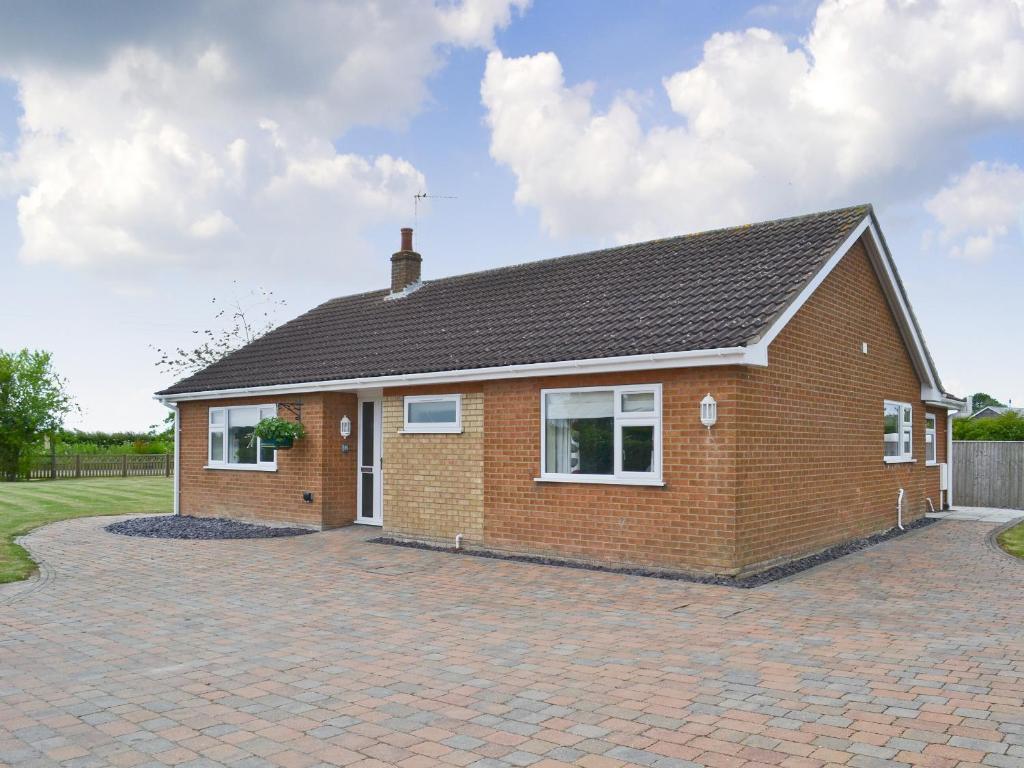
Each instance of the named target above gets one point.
<point>405,264</point>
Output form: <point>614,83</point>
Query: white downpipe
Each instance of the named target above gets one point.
<point>458,541</point>
<point>899,510</point>
<point>950,417</point>
<point>177,460</point>
<point>931,507</point>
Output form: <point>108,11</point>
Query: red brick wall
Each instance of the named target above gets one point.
<point>810,434</point>
<point>315,464</point>
<point>688,524</point>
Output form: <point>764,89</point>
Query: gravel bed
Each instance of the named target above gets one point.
<point>747,582</point>
<point>187,527</point>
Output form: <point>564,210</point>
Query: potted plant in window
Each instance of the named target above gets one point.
<point>278,433</point>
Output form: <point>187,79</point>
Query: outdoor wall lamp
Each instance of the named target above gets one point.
<point>708,411</point>
<point>346,430</point>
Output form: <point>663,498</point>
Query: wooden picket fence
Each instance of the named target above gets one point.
<point>92,465</point>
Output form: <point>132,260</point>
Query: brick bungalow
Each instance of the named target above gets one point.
<point>711,403</point>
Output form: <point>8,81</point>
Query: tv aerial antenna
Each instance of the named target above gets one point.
<point>424,196</point>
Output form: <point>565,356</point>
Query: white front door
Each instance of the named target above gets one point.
<point>369,486</point>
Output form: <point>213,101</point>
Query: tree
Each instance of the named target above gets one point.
<point>1009,426</point>
<point>241,319</point>
<point>981,400</point>
<point>33,403</point>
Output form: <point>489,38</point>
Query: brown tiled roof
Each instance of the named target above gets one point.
<point>702,291</point>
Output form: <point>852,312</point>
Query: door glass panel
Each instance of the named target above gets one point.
<point>366,478</point>
<point>366,434</point>
<point>638,448</point>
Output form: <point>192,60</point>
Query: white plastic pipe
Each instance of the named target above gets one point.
<point>458,541</point>
<point>931,507</point>
<point>899,511</point>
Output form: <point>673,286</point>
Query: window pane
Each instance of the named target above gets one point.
<point>929,422</point>
<point>929,446</point>
<point>637,402</point>
<point>906,442</point>
<point>266,454</point>
<point>908,414</point>
<point>241,446</point>
<point>268,412</point>
<point>638,449</point>
<point>432,412</point>
<point>217,446</point>
<point>579,436</point>
<point>892,429</point>
<point>216,416</point>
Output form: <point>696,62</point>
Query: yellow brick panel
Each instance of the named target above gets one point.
<point>434,483</point>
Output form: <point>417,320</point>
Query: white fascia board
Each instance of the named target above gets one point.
<point>884,268</point>
<point>654,361</point>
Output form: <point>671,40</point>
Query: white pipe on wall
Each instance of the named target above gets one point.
<point>899,510</point>
<point>177,458</point>
<point>950,416</point>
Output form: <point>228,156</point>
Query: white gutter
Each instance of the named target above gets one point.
<point>690,359</point>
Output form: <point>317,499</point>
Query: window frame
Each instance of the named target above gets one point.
<point>903,427</point>
<point>432,428</point>
<point>224,429</point>
<point>931,431</point>
<point>620,419</point>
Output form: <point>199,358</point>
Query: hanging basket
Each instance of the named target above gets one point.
<point>279,443</point>
<point>277,433</point>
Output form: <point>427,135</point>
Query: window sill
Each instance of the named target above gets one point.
<point>898,460</point>
<point>242,467</point>
<point>932,463</point>
<point>430,431</point>
<point>602,481</point>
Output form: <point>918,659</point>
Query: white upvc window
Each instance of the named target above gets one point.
<point>899,432</point>
<point>929,439</point>
<point>433,413</point>
<point>230,443</point>
<point>601,435</point>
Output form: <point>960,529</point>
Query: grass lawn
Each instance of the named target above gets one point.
<point>24,506</point>
<point>1013,540</point>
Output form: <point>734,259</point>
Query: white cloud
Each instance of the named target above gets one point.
<point>876,104</point>
<point>209,137</point>
<point>980,210</point>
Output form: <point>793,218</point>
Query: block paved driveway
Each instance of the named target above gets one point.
<point>329,650</point>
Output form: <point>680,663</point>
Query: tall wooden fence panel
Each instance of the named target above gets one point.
<point>92,465</point>
<point>988,474</point>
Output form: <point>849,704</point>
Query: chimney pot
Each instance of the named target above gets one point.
<point>405,264</point>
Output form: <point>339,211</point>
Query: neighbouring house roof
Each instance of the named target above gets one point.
<point>991,411</point>
<point>705,291</point>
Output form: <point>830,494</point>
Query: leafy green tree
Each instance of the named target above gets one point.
<point>33,402</point>
<point>1009,426</point>
<point>981,400</point>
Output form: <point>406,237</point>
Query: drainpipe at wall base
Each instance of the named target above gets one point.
<point>899,510</point>
<point>458,541</point>
<point>177,453</point>
<point>950,416</point>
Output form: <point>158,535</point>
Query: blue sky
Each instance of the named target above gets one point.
<point>154,158</point>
